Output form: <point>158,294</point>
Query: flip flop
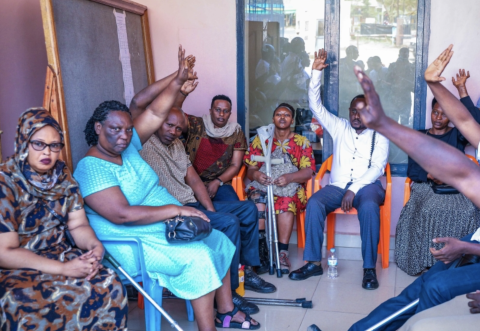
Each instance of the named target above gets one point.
<point>226,321</point>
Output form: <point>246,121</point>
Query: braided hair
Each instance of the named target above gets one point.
<point>100,115</point>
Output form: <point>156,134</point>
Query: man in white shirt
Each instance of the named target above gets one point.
<point>359,158</point>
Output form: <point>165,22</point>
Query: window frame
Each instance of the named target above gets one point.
<point>331,92</point>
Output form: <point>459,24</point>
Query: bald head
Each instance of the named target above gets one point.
<point>173,126</point>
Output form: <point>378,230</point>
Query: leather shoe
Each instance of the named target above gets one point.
<point>244,305</point>
<point>307,271</point>
<point>313,327</point>
<point>257,284</point>
<point>370,281</point>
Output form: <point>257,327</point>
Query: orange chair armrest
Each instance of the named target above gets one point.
<point>406,194</point>
<point>472,158</point>
<point>321,173</point>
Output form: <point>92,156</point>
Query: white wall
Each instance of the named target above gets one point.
<point>206,29</point>
<point>457,23</point>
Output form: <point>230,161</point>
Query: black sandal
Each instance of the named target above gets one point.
<point>226,321</point>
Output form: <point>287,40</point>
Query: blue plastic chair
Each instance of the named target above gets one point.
<point>153,318</point>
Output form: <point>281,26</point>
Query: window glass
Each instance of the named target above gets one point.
<point>280,40</point>
<point>380,37</point>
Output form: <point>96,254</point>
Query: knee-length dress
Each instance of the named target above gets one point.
<point>34,300</point>
<point>296,150</point>
<point>187,270</point>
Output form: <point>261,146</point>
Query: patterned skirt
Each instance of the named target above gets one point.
<point>426,216</point>
<point>32,300</point>
<point>294,204</point>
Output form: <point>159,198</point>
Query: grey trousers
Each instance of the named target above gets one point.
<point>367,202</point>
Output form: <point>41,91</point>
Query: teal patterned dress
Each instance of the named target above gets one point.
<point>188,270</point>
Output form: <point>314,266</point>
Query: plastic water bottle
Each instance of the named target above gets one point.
<point>332,264</point>
<point>241,279</point>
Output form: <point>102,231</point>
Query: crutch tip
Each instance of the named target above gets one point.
<point>313,327</point>
<point>279,273</point>
<point>307,304</point>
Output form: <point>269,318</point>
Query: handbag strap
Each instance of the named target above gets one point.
<point>371,149</point>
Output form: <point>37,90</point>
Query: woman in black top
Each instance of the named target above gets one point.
<point>428,215</point>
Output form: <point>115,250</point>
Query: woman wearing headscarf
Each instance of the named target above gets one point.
<point>46,283</point>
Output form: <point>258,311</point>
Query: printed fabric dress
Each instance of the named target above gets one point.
<point>188,270</point>
<point>297,154</point>
<point>31,299</point>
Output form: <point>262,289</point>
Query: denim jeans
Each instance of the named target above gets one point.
<point>440,284</point>
<point>225,193</point>
<point>367,202</point>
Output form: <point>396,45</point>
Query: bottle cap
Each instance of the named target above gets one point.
<point>332,250</point>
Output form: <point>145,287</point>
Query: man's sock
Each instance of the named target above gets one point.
<point>282,247</point>
<point>317,263</point>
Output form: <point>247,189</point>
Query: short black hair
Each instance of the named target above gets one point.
<point>360,96</point>
<point>434,101</point>
<point>100,115</point>
<point>285,105</point>
<point>221,97</point>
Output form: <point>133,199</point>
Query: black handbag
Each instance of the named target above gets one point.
<point>443,188</point>
<point>184,229</point>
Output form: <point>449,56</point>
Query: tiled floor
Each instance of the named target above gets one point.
<point>337,304</point>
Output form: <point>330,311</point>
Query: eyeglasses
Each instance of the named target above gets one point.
<point>40,146</point>
<point>225,111</point>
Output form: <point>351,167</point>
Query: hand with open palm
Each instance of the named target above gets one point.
<point>320,59</point>
<point>435,69</point>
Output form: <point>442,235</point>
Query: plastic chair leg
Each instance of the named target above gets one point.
<point>190,314</point>
<point>331,231</point>
<point>153,318</point>
<point>301,229</point>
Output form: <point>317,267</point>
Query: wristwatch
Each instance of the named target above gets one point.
<point>221,183</point>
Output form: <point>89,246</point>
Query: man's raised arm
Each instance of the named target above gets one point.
<point>324,117</point>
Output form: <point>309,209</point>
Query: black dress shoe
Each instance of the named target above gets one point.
<point>307,271</point>
<point>313,327</point>
<point>244,305</point>
<point>257,284</point>
<point>370,281</point>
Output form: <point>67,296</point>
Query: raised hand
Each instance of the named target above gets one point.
<point>435,69</point>
<point>188,87</point>
<point>320,59</point>
<point>372,113</point>
<point>461,78</point>
<point>182,74</point>
<point>192,75</point>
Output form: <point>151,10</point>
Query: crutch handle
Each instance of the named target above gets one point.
<point>111,259</point>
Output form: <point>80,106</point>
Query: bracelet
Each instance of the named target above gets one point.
<point>186,95</point>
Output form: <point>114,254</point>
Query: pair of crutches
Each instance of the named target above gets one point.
<point>266,133</point>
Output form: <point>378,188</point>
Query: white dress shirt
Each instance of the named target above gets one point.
<point>351,151</point>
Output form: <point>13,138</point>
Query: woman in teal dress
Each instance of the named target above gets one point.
<point>123,198</point>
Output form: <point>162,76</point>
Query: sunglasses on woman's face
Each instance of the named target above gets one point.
<point>40,146</point>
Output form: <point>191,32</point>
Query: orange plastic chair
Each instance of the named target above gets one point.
<point>238,185</point>
<point>408,183</point>
<point>385,214</point>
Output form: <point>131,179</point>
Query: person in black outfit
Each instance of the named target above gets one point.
<point>429,215</point>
